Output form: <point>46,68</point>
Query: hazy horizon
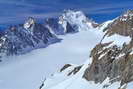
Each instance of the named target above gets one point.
<point>16,11</point>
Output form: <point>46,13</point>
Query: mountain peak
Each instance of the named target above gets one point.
<point>128,15</point>
<point>122,25</point>
<point>28,23</point>
<point>77,19</point>
<point>129,12</point>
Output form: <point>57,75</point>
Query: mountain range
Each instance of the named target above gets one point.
<point>31,35</point>
<point>109,64</point>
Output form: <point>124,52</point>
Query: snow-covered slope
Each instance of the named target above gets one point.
<point>108,61</point>
<point>27,71</point>
<point>61,80</point>
<point>65,80</point>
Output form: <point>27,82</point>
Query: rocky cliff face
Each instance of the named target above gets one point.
<point>122,25</point>
<point>24,38</point>
<point>54,26</point>
<point>31,35</point>
<point>112,57</point>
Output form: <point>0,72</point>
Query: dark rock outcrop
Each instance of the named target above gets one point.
<point>111,60</point>
<point>122,25</point>
<point>55,26</point>
<point>73,71</point>
<point>24,38</point>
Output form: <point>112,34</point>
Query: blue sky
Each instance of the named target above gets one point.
<point>16,11</point>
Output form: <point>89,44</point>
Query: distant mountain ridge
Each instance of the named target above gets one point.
<point>31,35</point>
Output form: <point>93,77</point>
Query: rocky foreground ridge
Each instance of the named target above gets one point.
<point>111,59</point>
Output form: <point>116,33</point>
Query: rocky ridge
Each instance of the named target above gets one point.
<point>23,38</point>
<point>111,60</point>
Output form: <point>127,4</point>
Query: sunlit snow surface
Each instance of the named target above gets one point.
<point>60,80</point>
<point>117,39</point>
<point>28,71</point>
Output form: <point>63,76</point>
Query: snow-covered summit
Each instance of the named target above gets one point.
<point>77,19</point>
<point>121,25</point>
<point>128,15</point>
<point>28,23</point>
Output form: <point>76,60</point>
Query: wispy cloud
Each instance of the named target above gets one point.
<point>109,8</point>
<point>41,15</point>
<point>17,10</point>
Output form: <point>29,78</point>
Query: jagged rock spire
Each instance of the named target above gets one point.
<point>29,23</point>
